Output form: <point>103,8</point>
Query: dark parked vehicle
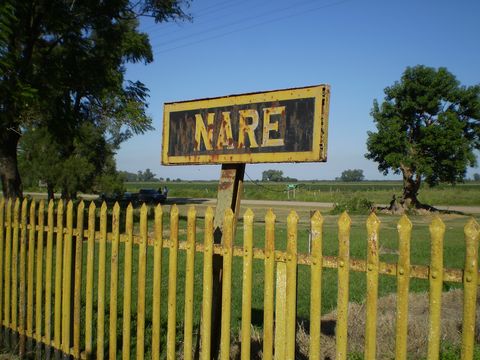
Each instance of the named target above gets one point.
<point>150,196</point>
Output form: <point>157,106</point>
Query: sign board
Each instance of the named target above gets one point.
<point>276,126</point>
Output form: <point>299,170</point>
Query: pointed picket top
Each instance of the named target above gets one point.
<point>144,209</point>
<point>33,205</point>
<point>173,210</point>
<point>248,216</point>
<point>472,228</point>
<point>344,221</point>
<point>60,206</point>
<point>70,205</point>
<point>292,217</point>
<point>80,207</point>
<point>104,206</point>
<point>10,202</point>
<point>228,215</point>
<point>437,226</point>
<point>270,216</point>
<point>373,223</point>
<point>24,204</point>
<point>158,209</point>
<point>192,212</point>
<point>404,223</point>
<point>92,206</point>
<point>41,205</point>
<point>317,219</point>
<point>209,213</point>
<point>116,207</point>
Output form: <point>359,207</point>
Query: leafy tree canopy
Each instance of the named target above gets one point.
<point>352,175</point>
<point>427,129</point>
<point>62,65</point>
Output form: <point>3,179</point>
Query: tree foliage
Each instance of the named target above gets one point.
<point>62,71</point>
<point>352,175</point>
<point>427,129</point>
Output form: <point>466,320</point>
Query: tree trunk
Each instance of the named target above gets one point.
<point>11,182</point>
<point>411,185</point>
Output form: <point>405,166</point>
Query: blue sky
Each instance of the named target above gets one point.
<point>359,47</point>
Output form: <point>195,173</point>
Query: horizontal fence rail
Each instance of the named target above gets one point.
<point>116,283</point>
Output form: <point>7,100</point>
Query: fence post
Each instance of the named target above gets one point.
<point>77,291</point>
<point>291,306</point>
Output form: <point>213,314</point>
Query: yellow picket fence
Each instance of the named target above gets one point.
<point>42,259</point>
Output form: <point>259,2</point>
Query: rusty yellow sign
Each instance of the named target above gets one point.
<point>287,125</point>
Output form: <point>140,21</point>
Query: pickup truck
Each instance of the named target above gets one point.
<point>150,196</point>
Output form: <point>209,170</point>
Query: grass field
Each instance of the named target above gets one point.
<point>379,192</point>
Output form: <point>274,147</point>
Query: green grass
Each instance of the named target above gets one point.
<point>379,192</point>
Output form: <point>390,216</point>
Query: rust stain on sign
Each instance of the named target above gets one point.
<point>275,126</point>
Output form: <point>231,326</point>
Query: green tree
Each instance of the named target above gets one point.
<point>476,177</point>
<point>272,175</point>
<point>352,175</point>
<point>62,65</point>
<point>427,129</point>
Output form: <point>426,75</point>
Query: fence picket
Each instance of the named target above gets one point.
<point>227,246</point>
<point>67,280</point>
<point>15,243</point>
<point>102,258</point>
<point>57,325</point>
<point>77,302</point>
<point>437,232</point>
<point>269,287</point>
<point>291,309</point>
<point>247,283</point>
<point>157,283</point>
<point>39,277</point>
<point>127,285</point>
<point>172,283</point>
<point>404,228</point>
<point>207,285</point>
<point>189,283</point>
<point>30,267</point>
<point>316,284</point>
<point>8,262</point>
<point>48,274</point>
<point>22,309</point>
<point>2,287</point>
<point>114,281</point>
<point>142,272</point>
<point>89,280</point>
<point>344,223</point>
<point>470,288</point>
<point>21,254</point>
<point>373,225</point>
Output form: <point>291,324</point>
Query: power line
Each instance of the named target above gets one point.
<point>241,21</point>
<point>255,182</point>
<point>249,27</point>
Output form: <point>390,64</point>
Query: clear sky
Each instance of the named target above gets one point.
<point>359,47</point>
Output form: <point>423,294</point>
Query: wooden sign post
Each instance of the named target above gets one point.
<point>275,126</point>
